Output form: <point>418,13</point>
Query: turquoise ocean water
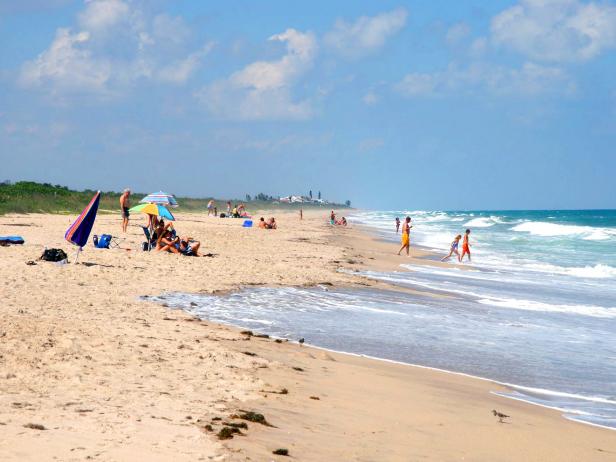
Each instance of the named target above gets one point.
<point>536,311</point>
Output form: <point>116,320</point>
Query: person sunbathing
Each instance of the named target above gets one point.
<point>166,241</point>
<point>271,224</point>
<point>188,246</point>
<point>262,223</point>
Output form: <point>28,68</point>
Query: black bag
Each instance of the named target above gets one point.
<point>54,255</point>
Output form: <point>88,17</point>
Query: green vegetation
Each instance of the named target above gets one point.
<point>32,197</point>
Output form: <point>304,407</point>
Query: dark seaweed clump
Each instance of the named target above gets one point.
<point>226,433</point>
<point>281,452</point>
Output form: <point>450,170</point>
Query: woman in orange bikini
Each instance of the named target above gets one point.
<point>466,246</point>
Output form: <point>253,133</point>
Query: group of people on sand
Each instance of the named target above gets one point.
<point>165,238</point>
<point>406,241</point>
<point>269,224</point>
<point>333,221</point>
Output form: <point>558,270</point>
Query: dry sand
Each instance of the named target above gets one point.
<point>114,378</point>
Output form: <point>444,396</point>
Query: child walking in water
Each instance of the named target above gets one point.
<point>466,247</point>
<point>406,236</point>
<point>454,248</point>
<point>397,225</point>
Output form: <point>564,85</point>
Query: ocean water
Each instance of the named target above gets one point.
<point>535,310</point>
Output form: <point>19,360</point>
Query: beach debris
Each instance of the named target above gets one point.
<point>35,426</point>
<point>208,427</point>
<point>261,336</point>
<point>252,417</point>
<point>298,369</point>
<point>315,397</point>
<point>278,340</point>
<point>249,353</point>
<point>243,425</point>
<point>214,419</point>
<point>247,332</point>
<point>500,416</point>
<point>284,391</point>
<point>301,341</point>
<point>31,263</point>
<point>226,433</point>
<point>281,452</point>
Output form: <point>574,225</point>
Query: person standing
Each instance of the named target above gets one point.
<point>466,247</point>
<point>124,206</point>
<point>406,236</point>
<point>228,208</point>
<point>210,207</point>
<point>301,213</point>
<point>332,218</point>
<point>397,225</point>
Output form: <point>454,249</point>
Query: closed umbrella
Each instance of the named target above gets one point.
<point>161,198</point>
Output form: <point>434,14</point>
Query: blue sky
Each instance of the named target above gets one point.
<point>391,104</point>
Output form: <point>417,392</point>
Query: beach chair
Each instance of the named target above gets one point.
<point>150,241</point>
<point>107,241</point>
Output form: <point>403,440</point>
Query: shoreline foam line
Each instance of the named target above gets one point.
<point>510,386</point>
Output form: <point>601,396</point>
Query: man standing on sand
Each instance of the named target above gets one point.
<point>301,214</point>
<point>406,236</point>
<point>124,206</point>
<point>210,207</point>
<point>397,225</point>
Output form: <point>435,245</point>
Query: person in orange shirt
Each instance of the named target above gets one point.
<point>466,247</point>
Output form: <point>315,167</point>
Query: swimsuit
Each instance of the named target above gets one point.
<point>405,238</point>
<point>454,245</point>
<point>125,212</point>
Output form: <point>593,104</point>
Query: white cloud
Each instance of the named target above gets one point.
<point>370,98</point>
<point>179,72</point>
<point>262,90</point>
<point>556,30</point>
<point>457,33</point>
<point>115,45</point>
<point>366,35</point>
<point>67,64</point>
<point>103,14</point>
<point>530,80</point>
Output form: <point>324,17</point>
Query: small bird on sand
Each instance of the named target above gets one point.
<point>301,341</point>
<point>500,416</point>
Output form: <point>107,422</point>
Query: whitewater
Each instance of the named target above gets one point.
<point>535,310</point>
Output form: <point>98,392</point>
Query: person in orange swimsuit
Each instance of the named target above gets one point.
<point>466,247</point>
<point>406,236</point>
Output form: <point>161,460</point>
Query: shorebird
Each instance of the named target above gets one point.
<point>500,416</point>
<point>301,341</point>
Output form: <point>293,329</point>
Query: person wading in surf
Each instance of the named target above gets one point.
<point>466,247</point>
<point>406,236</point>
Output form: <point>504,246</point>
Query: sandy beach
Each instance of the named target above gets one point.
<point>104,375</point>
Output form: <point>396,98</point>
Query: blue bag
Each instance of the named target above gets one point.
<point>102,242</point>
<point>247,224</point>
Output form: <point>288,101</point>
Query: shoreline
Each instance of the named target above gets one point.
<point>57,317</point>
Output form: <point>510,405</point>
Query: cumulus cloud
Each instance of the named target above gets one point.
<point>67,64</point>
<point>556,30</point>
<point>100,15</point>
<point>262,89</point>
<point>90,60</point>
<point>366,35</point>
<point>530,79</point>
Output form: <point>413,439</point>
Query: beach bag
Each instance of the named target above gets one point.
<point>54,255</point>
<point>102,242</point>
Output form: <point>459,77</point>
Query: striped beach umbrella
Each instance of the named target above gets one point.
<point>161,198</point>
